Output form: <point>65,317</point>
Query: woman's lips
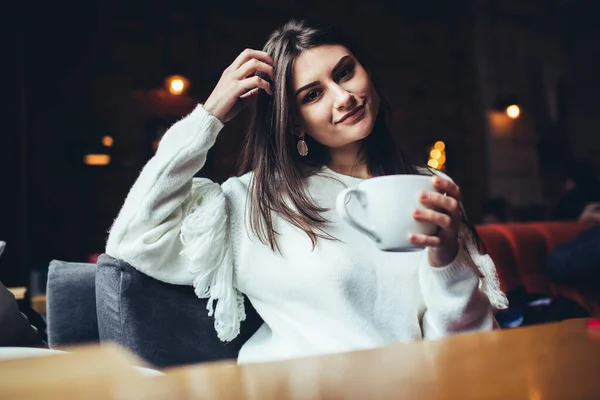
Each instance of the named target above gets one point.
<point>353,115</point>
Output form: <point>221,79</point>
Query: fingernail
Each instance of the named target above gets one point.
<point>417,212</point>
<point>424,196</point>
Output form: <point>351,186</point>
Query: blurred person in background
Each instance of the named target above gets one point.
<point>577,262</point>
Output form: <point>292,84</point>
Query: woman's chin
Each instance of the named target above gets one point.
<point>363,131</point>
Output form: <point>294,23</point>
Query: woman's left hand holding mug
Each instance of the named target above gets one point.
<point>444,211</point>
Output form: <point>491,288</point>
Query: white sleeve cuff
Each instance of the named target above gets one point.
<point>459,270</point>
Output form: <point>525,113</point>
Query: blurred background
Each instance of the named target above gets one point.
<point>501,95</point>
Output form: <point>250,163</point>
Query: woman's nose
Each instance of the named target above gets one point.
<point>343,98</point>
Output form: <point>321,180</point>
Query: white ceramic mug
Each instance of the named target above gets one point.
<point>383,210</point>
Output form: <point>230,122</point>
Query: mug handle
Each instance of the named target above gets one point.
<point>342,201</point>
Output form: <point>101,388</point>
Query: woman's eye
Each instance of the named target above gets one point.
<point>345,73</point>
<point>311,96</point>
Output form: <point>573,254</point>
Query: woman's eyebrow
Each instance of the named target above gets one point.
<point>337,66</point>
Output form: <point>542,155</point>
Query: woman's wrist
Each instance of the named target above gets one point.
<point>443,256</point>
<point>210,108</point>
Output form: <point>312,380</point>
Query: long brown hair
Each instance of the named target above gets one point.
<point>280,173</point>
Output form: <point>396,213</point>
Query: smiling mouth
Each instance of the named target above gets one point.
<point>351,113</point>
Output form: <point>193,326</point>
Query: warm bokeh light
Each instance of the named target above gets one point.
<point>97,159</point>
<point>177,84</point>
<point>433,163</point>
<point>108,141</point>
<point>435,154</point>
<point>513,111</point>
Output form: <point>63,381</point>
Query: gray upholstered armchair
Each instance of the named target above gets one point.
<point>164,324</point>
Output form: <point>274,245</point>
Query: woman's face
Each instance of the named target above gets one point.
<point>336,100</point>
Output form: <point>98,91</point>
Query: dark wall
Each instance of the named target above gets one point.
<point>43,44</point>
<point>583,85</point>
<point>11,210</point>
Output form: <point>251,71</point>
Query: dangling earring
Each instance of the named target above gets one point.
<point>302,147</point>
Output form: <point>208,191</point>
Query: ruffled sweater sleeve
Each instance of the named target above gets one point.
<point>463,295</point>
<point>174,227</point>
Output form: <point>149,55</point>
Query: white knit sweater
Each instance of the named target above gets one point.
<point>343,295</point>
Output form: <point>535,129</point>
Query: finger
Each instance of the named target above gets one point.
<point>444,221</point>
<point>446,186</point>
<point>249,97</point>
<point>253,65</point>
<point>254,82</point>
<point>439,201</point>
<point>250,94</point>
<point>249,54</point>
<point>424,240</point>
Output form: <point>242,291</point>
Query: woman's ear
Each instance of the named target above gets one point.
<point>298,129</point>
<point>296,123</point>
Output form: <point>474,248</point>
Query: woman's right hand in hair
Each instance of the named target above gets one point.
<point>239,84</point>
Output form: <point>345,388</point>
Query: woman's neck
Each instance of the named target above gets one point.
<point>348,161</point>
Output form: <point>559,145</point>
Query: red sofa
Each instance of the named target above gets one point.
<point>519,251</point>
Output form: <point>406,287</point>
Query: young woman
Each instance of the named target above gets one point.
<point>319,125</point>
